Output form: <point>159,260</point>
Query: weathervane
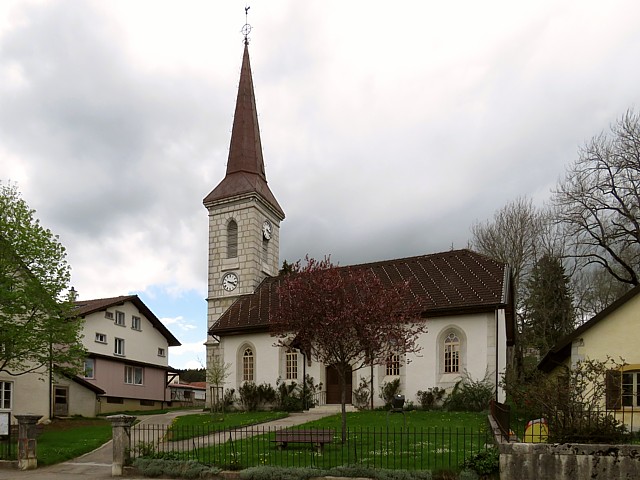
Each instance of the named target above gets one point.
<point>246,28</point>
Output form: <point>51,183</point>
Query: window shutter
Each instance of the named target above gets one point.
<point>614,389</point>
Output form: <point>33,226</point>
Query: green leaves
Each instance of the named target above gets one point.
<point>35,318</point>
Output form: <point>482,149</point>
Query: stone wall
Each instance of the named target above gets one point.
<point>536,461</point>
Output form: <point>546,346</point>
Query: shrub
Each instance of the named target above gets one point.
<point>253,396</point>
<point>430,398</point>
<point>292,473</point>
<point>362,394</point>
<point>470,395</point>
<point>388,390</point>
<point>485,462</point>
<point>572,401</point>
<point>174,468</point>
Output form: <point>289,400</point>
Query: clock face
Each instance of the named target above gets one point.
<point>267,230</point>
<point>229,281</point>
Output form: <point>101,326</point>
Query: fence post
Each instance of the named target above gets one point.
<point>121,427</point>
<point>27,459</point>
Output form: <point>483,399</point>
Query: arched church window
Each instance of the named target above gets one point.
<point>452,354</point>
<point>247,365</point>
<point>232,239</point>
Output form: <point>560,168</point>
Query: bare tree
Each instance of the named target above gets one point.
<point>598,201</point>
<point>512,237</point>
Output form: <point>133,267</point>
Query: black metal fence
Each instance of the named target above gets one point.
<point>570,424</point>
<point>410,449</point>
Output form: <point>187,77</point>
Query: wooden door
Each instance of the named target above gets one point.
<point>60,401</point>
<point>333,386</point>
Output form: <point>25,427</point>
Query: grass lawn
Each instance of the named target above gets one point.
<point>189,426</point>
<point>65,439</point>
<point>431,440</point>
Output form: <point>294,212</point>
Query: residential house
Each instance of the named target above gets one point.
<point>188,393</point>
<point>465,297</point>
<point>609,334</point>
<point>128,353</point>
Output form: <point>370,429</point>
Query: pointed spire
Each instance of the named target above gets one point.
<point>245,153</point>
<point>245,166</point>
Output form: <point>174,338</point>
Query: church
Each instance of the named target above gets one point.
<point>466,298</point>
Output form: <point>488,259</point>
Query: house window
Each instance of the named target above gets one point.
<point>5,395</point>
<point>291,360</point>
<point>135,322</point>
<point>120,318</point>
<point>133,375</point>
<point>119,346</point>
<point>622,389</point>
<point>232,239</point>
<point>108,315</point>
<point>161,352</point>
<point>101,338</point>
<point>630,390</point>
<point>452,354</point>
<point>247,365</point>
<point>89,367</point>
<point>393,365</point>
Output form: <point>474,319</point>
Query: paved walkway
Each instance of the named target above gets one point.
<point>97,464</point>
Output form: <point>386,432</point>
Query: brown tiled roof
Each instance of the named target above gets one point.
<point>86,307</point>
<point>245,166</point>
<point>446,283</point>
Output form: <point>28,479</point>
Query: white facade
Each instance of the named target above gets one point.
<point>142,343</point>
<point>478,358</point>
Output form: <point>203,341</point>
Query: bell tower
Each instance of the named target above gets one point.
<point>244,216</point>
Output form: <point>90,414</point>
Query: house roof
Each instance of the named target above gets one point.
<point>245,167</point>
<point>87,307</point>
<point>447,283</point>
<point>189,386</point>
<point>562,350</point>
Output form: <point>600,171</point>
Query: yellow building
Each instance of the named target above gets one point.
<point>612,333</point>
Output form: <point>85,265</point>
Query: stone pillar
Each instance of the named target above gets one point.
<point>121,425</point>
<point>27,458</point>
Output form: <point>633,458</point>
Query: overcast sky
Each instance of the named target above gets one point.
<point>388,128</point>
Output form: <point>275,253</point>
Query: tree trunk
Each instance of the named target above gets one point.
<point>343,400</point>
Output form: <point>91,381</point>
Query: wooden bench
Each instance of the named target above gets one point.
<point>317,437</point>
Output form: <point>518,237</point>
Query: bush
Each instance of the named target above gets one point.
<point>572,401</point>
<point>254,396</point>
<point>388,390</point>
<point>362,394</point>
<point>485,462</point>
<point>430,398</point>
<point>292,473</point>
<point>470,395</point>
<point>174,468</point>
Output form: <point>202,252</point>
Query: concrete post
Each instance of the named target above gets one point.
<point>121,426</point>
<point>27,443</point>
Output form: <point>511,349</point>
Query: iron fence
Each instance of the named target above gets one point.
<point>408,449</point>
<point>570,424</point>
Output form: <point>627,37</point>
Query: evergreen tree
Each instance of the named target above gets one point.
<point>549,311</point>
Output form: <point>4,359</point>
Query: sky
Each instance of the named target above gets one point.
<point>388,128</point>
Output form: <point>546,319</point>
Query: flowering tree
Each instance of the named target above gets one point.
<point>346,317</point>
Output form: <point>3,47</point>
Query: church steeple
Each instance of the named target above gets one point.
<point>245,166</point>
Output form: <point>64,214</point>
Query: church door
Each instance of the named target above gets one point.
<point>333,386</point>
